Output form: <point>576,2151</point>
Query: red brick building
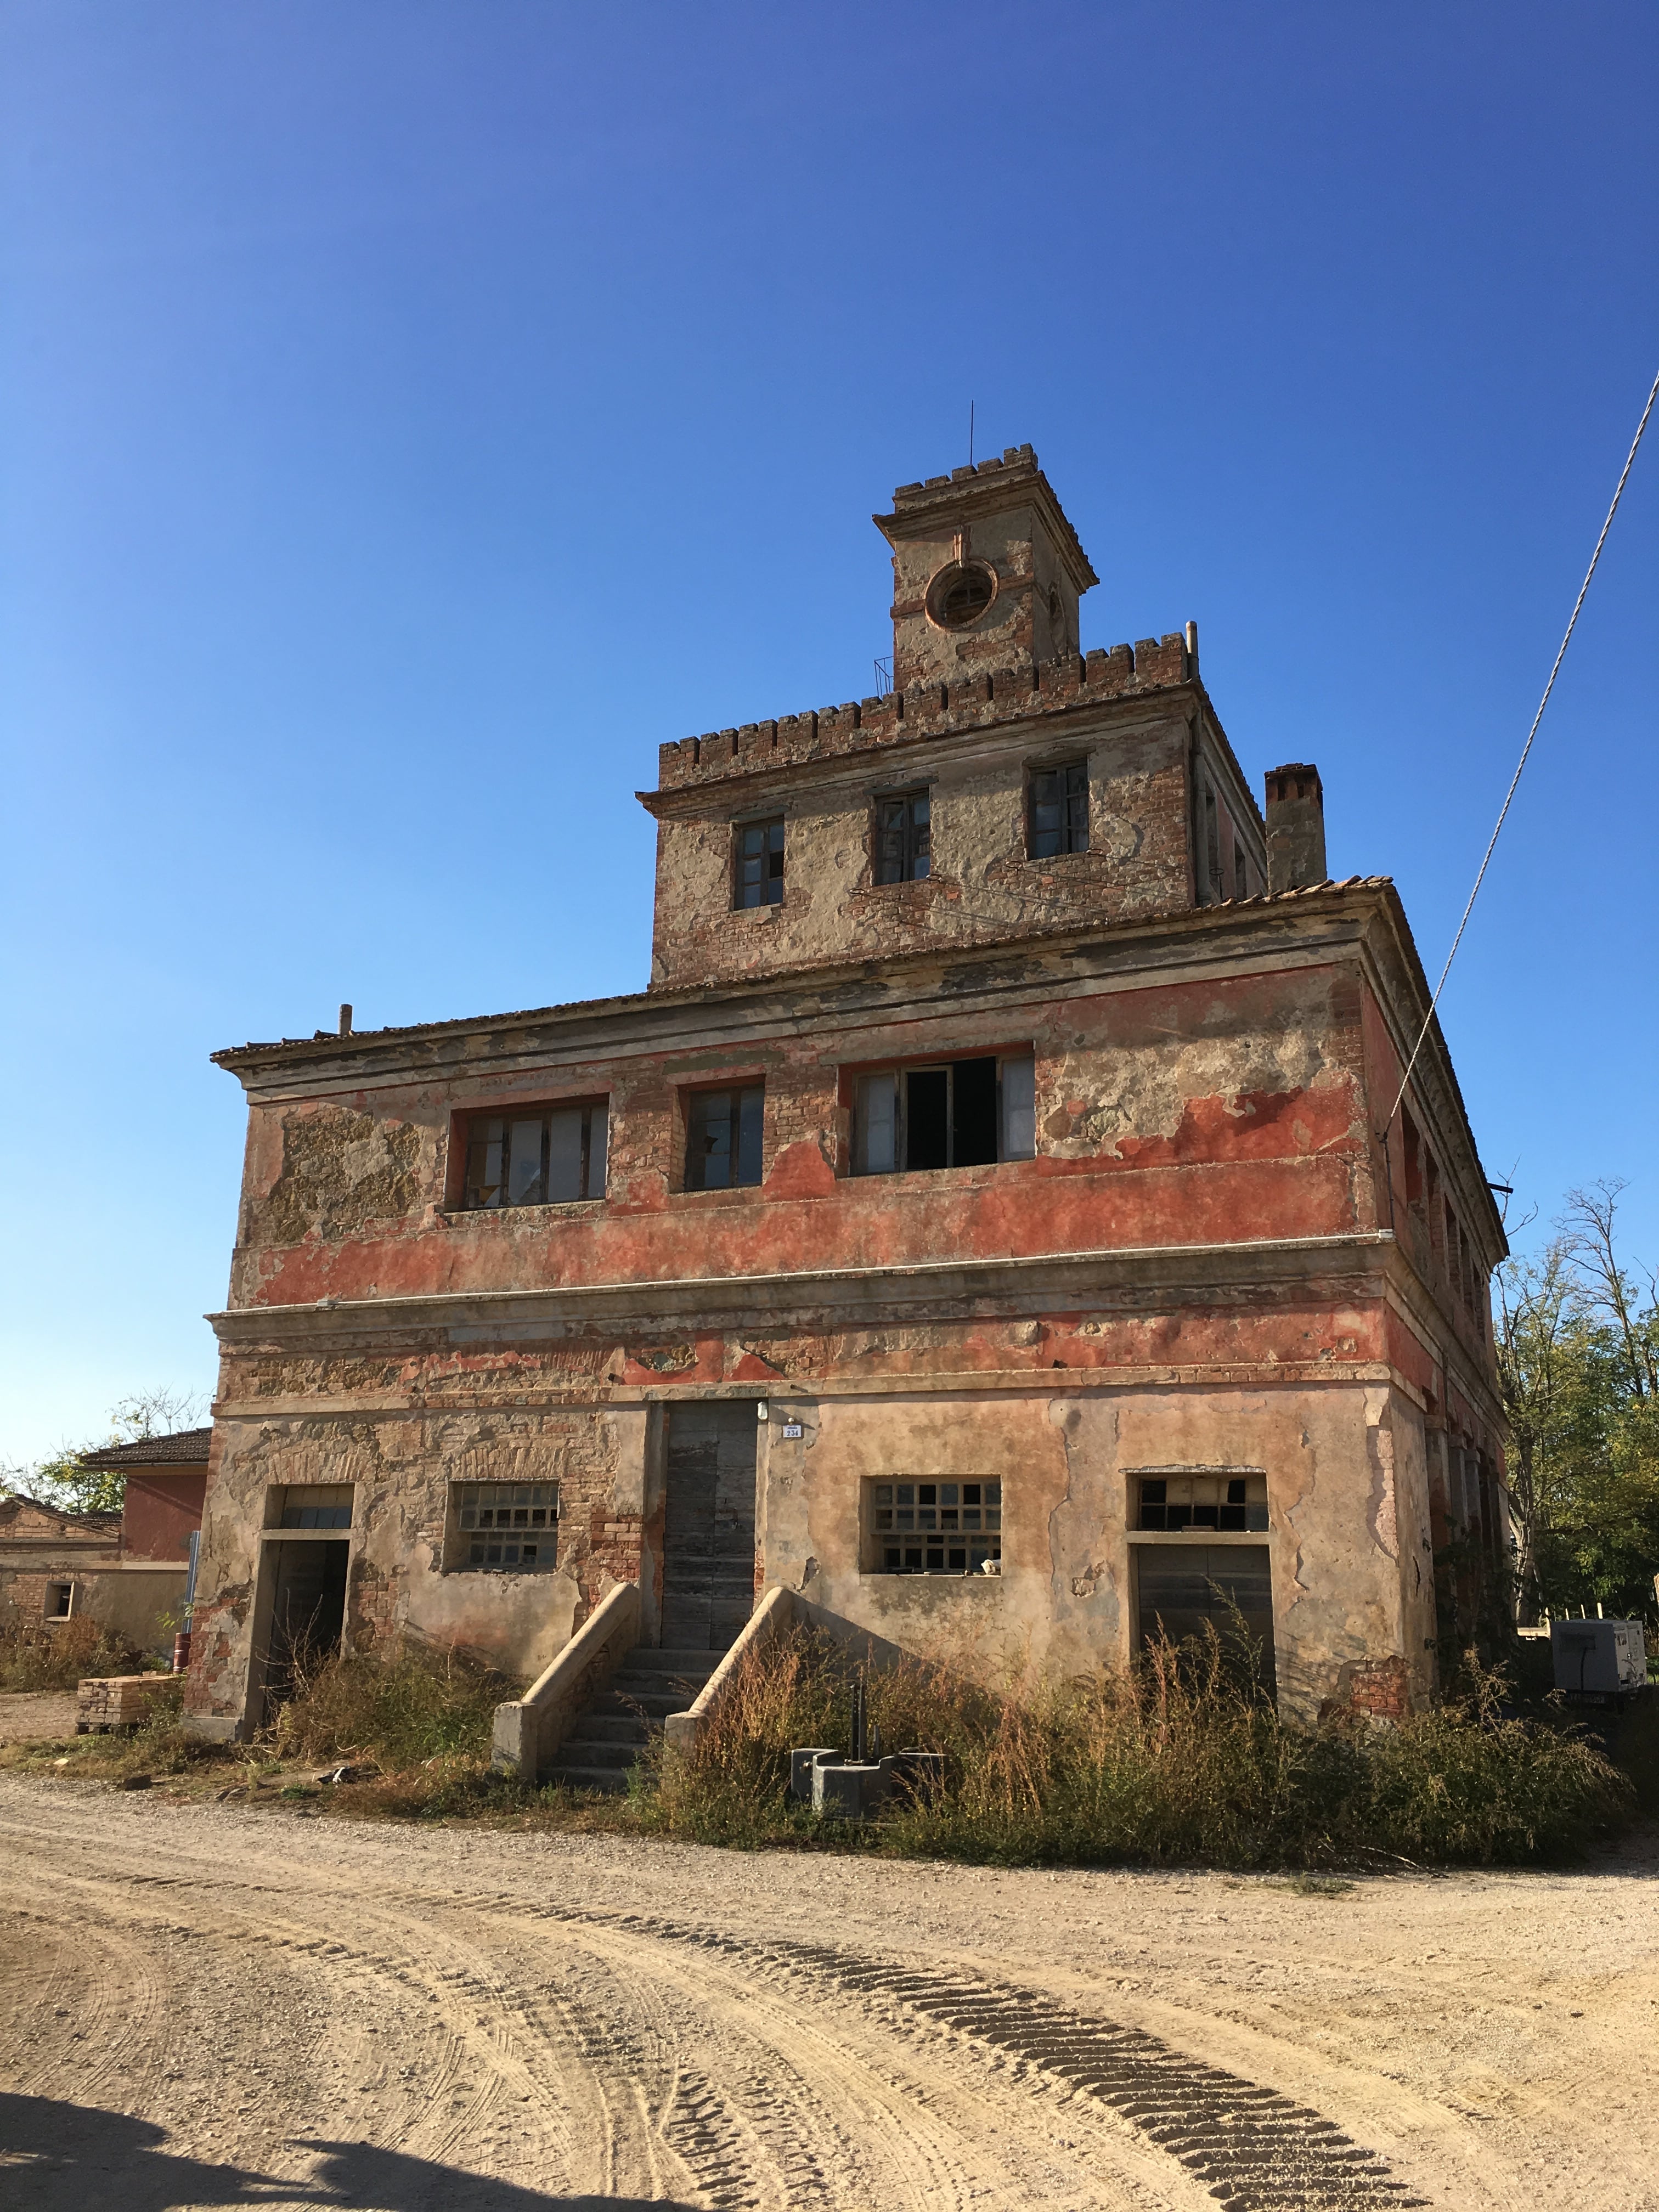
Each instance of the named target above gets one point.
<point>125,1572</point>
<point>985,1223</point>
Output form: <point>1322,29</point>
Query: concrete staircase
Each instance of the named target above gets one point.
<point>610,1735</point>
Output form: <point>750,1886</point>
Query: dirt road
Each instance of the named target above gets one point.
<point>223,2006</point>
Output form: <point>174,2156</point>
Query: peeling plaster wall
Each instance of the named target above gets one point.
<point>398,1583</point>
<point>1064,1603</point>
<point>1178,1113</point>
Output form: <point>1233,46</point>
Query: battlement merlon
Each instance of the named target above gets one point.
<point>928,711</point>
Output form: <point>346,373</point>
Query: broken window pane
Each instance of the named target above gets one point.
<point>902,842</point>
<point>760,862</point>
<point>1060,809</point>
<point>1231,1500</point>
<point>551,1156</point>
<point>723,1138</point>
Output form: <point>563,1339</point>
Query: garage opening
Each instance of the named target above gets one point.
<point>1185,1590</point>
<point>308,1612</point>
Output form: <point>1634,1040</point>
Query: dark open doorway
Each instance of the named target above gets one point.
<point>307,1611</point>
<point>708,1535</point>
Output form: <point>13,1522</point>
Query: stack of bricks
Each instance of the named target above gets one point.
<point>108,1702</point>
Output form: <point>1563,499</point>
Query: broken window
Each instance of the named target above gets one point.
<point>316,1505</point>
<point>934,1528</point>
<point>60,1601</point>
<point>1060,809</point>
<point>723,1137</point>
<point>759,859</point>
<point>506,1527</point>
<point>902,837</point>
<point>1219,1501</point>
<point>538,1156</point>
<point>960,1114</point>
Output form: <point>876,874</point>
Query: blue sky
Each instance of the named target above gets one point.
<point>414,413</point>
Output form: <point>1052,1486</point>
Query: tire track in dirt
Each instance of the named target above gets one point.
<point>600,2052</point>
<point>1252,2148</point>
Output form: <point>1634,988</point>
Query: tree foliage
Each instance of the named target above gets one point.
<point>65,1482</point>
<point>1578,1353</point>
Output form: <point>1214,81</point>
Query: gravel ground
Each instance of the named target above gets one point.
<point>221,2005</point>
<point>36,1715</point>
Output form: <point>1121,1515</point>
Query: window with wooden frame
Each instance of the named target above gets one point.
<point>536,1156</point>
<point>505,1528</point>
<point>757,863</point>
<point>1059,802</point>
<point>953,1114</point>
<point>902,833</point>
<point>60,1601</point>
<point>723,1137</point>
<point>934,1527</point>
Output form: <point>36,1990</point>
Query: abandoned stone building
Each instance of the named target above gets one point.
<point>990,1223</point>
<point>126,1572</point>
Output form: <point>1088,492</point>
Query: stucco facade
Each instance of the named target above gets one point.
<point>1185,1255</point>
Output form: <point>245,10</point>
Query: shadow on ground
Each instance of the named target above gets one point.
<point>57,2157</point>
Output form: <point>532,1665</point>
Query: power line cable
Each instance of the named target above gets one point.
<point>1567,640</point>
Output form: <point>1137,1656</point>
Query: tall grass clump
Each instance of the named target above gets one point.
<point>1176,1762</point>
<point>400,1709</point>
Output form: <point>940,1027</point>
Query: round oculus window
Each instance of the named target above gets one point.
<point>959,595</point>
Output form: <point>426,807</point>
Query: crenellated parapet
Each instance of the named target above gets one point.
<point>979,701</point>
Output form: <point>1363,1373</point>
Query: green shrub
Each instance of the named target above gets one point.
<point>1174,1763</point>
<point>398,1708</point>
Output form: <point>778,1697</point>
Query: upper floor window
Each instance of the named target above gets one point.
<point>759,869</point>
<point>960,1114</point>
<point>539,1156</point>
<point>902,837</point>
<point>723,1137</point>
<point>1060,809</point>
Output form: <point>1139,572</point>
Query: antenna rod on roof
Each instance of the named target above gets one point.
<point>970,434</point>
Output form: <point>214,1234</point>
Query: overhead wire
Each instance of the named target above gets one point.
<point>1428,1019</point>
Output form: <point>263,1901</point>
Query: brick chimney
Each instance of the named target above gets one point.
<point>1295,827</point>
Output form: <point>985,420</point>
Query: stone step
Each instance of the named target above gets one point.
<point>656,1702</point>
<point>583,1750</point>
<point>613,1780</point>
<point>610,1727</point>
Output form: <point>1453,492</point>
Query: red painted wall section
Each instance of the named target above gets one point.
<point>159,1511</point>
<point>1181,1113</point>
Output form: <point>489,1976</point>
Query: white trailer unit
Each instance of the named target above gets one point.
<point>1599,1658</point>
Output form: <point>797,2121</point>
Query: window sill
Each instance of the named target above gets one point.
<point>927,1575</point>
<point>756,912</point>
<point>1200,1535</point>
<point>563,1206</point>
